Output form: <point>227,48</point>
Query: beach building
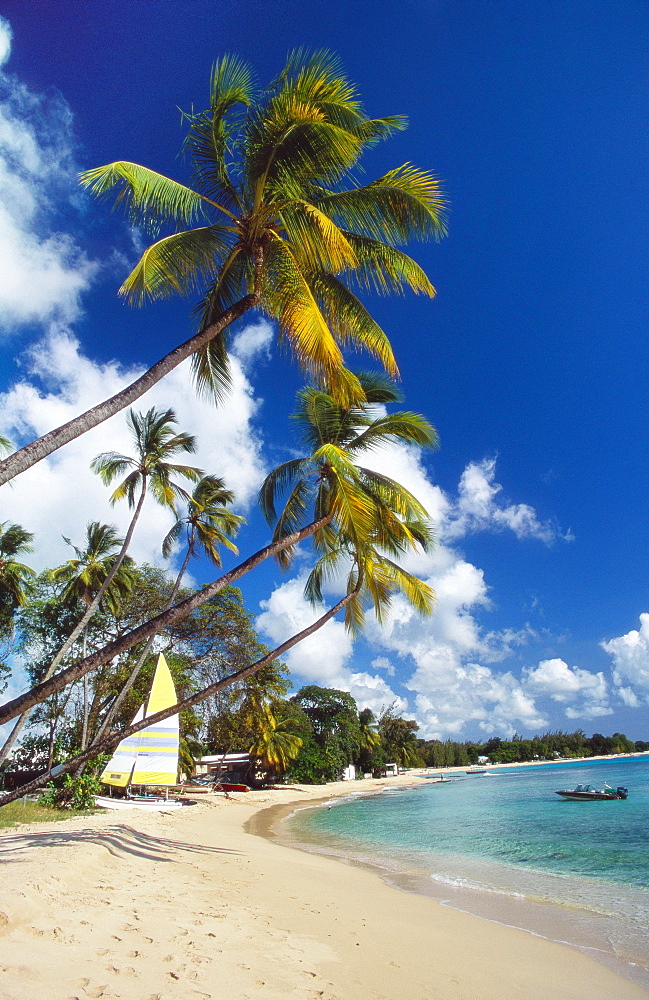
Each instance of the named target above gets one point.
<point>235,768</point>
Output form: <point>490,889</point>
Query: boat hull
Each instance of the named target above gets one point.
<point>154,805</point>
<point>594,795</point>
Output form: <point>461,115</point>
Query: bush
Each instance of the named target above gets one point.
<point>73,793</point>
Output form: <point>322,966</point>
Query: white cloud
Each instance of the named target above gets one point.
<point>630,655</point>
<point>477,509</point>
<point>42,274</point>
<point>60,494</point>
<point>444,658</point>
<point>324,657</point>
<point>584,693</point>
<point>6,36</point>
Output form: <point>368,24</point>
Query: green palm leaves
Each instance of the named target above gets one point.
<point>15,576</point>
<point>156,442</point>
<point>84,575</point>
<point>208,520</point>
<point>274,211</point>
<point>374,520</point>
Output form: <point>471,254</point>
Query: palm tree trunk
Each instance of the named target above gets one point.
<point>40,692</point>
<point>112,739</point>
<point>110,715</point>
<point>84,727</point>
<point>80,626</point>
<point>32,453</point>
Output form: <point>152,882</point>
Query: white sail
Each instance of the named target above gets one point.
<point>149,757</point>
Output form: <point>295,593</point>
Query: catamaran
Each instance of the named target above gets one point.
<point>149,758</point>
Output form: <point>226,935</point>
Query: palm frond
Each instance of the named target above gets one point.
<point>302,325</point>
<point>177,265</point>
<point>315,239</point>
<point>402,204</point>
<point>386,270</point>
<point>350,322</point>
<point>172,538</point>
<point>210,132</point>
<point>277,481</point>
<point>109,465</point>
<point>404,426</point>
<point>149,198</point>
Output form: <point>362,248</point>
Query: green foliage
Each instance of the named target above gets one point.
<point>373,520</point>
<point>76,793</point>
<point>398,739</point>
<point>335,738</point>
<point>15,577</point>
<point>278,211</point>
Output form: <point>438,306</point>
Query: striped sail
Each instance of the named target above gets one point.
<point>149,757</point>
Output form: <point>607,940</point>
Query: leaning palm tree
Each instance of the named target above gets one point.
<point>357,515</point>
<point>85,576</point>
<point>208,523</point>
<point>274,219</point>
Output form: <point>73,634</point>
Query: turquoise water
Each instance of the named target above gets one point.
<point>505,847</point>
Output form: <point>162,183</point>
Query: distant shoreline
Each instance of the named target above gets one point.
<point>531,763</point>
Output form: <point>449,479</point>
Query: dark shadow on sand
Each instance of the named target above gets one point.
<point>117,840</point>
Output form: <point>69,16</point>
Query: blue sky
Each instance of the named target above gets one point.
<point>531,361</point>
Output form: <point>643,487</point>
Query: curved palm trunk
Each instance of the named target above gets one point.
<point>110,715</point>
<point>78,629</point>
<point>112,739</point>
<point>47,688</point>
<point>32,453</point>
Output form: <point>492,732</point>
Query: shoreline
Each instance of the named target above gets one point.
<point>195,904</point>
<point>574,925</point>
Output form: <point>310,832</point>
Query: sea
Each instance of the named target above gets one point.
<point>503,846</point>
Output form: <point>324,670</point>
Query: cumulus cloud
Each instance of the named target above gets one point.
<point>445,661</point>
<point>478,509</point>
<point>42,273</point>
<point>584,694</point>
<point>630,655</point>
<point>324,658</point>
<point>58,495</point>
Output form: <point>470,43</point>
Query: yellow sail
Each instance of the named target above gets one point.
<point>149,757</point>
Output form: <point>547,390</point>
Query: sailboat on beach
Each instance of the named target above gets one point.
<point>148,758</point>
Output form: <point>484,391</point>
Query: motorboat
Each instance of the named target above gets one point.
<point>586,793</point>
<point>476,770</point>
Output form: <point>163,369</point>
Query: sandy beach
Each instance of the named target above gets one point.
<point>137,906</point>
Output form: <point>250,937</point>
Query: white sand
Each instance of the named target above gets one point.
<point>137,906</point>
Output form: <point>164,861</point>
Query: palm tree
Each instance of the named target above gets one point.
<point>15,576</point>
<point>155,443</point>
<point>209,523</point>
<point>374,518</point>
<point>85,577</point>
<point>358,515</point>
<point>274,743</point>
<point>276,221</point>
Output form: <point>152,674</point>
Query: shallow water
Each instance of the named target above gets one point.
<point>505,847</point>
